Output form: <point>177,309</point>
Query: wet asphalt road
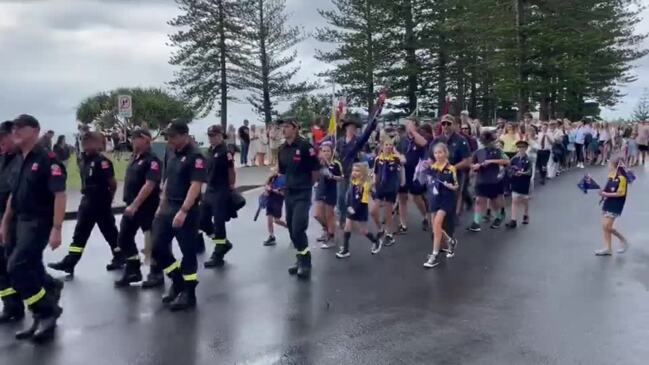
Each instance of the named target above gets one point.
<point>533,296</point>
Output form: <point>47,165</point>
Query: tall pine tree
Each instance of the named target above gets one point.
<point>269,67</point>
<point>209,51</point>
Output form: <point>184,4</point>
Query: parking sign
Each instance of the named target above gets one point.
<point>125,106</point>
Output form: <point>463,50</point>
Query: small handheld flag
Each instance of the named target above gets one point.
<point>587,183</point>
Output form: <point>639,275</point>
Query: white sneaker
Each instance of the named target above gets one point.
<point>432,262</point>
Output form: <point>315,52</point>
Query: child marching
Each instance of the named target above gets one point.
<point>358,197</point>
<point>388,177</point>
<point>614,197</point>
<point>274,204</point>
<point>442,186</point>
<point>326,194</point>
<point>521,177</point>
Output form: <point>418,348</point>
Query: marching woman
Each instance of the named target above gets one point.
<point>327,194</point>
<point>614,197</point>
<point>522,169</point>
<point>442,187</point>
<point>358,198</point>
<point>388,176</point>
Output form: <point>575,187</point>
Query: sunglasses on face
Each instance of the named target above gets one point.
<point>446,124</point>
<point>465,128</point>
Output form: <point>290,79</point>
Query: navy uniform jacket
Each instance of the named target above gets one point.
<point>220,162</point>
<point>358,194</point>
<point>458,148</point>
<point>96,173</point>
<point>435,175</point>
<point>328,186</point>
<point>142,168</point>
<point>297,161</point>
<point>40,177</point>
<point>387,169</point>
<point>183,167</point>
<point>616,183</point>
<point>488,174</point>
<point>521,164</point>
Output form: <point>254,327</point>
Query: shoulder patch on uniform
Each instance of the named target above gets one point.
<point>105,164</point>
<point>155,166</point>
<point>199,164</point>
<point>35,166</point>
<point>51,154</point>
<point>56,170</point>
<point>312,151</point>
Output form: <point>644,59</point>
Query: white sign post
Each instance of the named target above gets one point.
<point>125,106</point>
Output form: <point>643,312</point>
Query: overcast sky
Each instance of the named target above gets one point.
<point>56,52</point>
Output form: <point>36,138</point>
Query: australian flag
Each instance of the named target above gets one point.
<point>587,183</point>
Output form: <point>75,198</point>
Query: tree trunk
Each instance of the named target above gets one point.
<point>263,34</point>
<point>441,76</point>
<point>369,92</point>
<point>473,96</point>
<point>412,68</point>
<point>520,8</point>
<point>544,110</point>
<point>224,80</point>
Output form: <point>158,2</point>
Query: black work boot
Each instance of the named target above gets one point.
<point>200,244</point>
<point>28,332</point>
<point>13,309</point>
<point>66,265</point>
<point>177,287</point>
<point>304,266</point>
<point>155,279</point>
<point>132,274</point>
<point>47,324</point>
<point>216,260</point>
<point>293,269</point>
<point>117,262</point>
<point>186,299</point>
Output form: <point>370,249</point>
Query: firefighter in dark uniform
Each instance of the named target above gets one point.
<point>220,183</point>
<point>98,189</point>
<point>178,216</point>
<point>299,163</point>
<point>13,308</point>
<point>142,196</point>
<point>33,218</point>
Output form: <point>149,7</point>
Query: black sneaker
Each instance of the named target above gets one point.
<point>271,241</point>
<point>424,225</point>
<point>376,246</point>
<point>511,224</point>
<point>474,227</point>
<point>496,224</point>
<point>402,230</point>
<point>343,253</point>
<point>433,261</point>
<point>389,240</point>
<point>486,218</point>
<point>526,219</point>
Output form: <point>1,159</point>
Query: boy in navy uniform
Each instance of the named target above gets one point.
<point>300,165</point>
<point>142,196</point>
<point>521,177</point>
<point>274,205</point>
<point>487,162</point>
<point>178,217</point>
<point>220,183</point>
<point>34,217</point>
<point>98,189</point>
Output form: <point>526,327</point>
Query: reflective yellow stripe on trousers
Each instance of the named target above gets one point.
<point>220,241</point>
<point>191,277</point>
<point>75,249</point>
<point>7,292</point>
<point>303,252</point>
<point>172,267</point>
<point>36,297</point>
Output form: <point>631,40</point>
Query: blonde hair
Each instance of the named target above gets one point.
<point>441,145</point>
<point>365,171</point>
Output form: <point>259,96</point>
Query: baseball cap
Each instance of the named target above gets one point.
<point>6,127</point>
<point>215,130</point>
<point>26,120</point>
<point>176,128</point>
<point>141,133</point>
<point>288,120</point>
<point>447,118</point>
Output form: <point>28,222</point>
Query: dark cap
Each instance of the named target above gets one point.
<point>26,120</point>
<point>447,118</point>
<point>216,130</point>
<point>176,128</point>
<point>6,127</point>
<point>141,133</point>
<point>288,120</point>
<point>487,137</point>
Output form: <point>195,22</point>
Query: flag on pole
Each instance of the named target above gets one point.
<point>332,121</point>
